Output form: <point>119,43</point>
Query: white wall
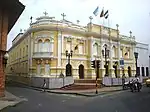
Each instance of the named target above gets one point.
<point>143,56</point>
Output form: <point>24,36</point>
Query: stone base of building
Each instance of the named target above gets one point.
<point>51,83</point>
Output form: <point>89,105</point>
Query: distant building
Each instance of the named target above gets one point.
<point>41,50</point>
<point>143,59</point>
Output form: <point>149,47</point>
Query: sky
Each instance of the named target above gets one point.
<point>131,15</point>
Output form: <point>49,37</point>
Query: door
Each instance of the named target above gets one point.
<point>81,71</point>
<point>68,70</point>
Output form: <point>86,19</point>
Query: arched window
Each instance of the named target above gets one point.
<point>40,46</point>
<point>127,53</point>
<point>113,51</point>
<point>95,47</point>
<point>46,47</point>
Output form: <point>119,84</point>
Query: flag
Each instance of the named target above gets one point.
<point>96,11</point>
<point>106,16</point>
<point>106,13</point>
<point>102,13</point>
<point>76,47</point>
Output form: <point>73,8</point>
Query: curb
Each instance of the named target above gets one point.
<point>70,93</point>
<point>77,94</point>
<point>84,94</point>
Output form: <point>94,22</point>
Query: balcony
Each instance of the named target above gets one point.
<point>43,55</point>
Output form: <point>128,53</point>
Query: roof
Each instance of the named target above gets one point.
<point>14,8</point>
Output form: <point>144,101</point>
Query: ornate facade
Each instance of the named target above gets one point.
<point>41,50</point>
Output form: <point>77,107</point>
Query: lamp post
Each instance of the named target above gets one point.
<point>68,66</point>
<point>5,58</point>
<point>69,55</point>
<point>136,57</point>
<point>105,54</point>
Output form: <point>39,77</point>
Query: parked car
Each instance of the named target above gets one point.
<point>148,82</point>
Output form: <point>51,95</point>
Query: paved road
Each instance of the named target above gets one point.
<point>46,102</point>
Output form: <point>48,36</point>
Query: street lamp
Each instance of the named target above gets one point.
<point>105,54</point>
<point>68,66</point>
<point>136,57</point>
<point>5,58</point>
<point>69,55</point>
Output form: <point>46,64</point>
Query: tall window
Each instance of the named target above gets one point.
<point>127,53</point>
<point>20,53</point>
<point>27,49</point>
<point>40,45</point>
<point>147,71</point>
<point>143,72</point>
<point>113,51</point>
<point>46,47</point>
<point>138,71</point>
<point>95,50</point>
<point>81,49</point>
<point>121,52</point>
<point>68,46</point>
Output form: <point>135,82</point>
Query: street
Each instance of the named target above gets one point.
<point>37,101</point>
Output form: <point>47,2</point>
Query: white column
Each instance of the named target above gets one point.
<point>92,48</point>
<point>133,58</point>
<point>110,55</point>
<point>62,43</point>
<point>119,54</point>
<point>111,58</point>
<point>102,61</point>
<point>59,49</point>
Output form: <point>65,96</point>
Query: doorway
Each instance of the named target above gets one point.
<point>68,70</point>
<point>81,71</point>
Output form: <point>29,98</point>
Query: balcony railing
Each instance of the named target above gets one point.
<point>42,54</point>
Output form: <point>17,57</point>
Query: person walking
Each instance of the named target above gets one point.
<point>44,86</point>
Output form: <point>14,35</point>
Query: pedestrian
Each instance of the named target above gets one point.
<point>44,85</point>
<point>123,79</point>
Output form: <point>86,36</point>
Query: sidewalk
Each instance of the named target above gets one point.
<point>9,100</point>
<point>89,93</point>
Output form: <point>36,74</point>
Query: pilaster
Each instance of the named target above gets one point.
<point>59,48</point>
<point>92,51</point>
<point>62,42</point>
<point>102,61</point>
<point>119,69</point>
<point>111,59</point>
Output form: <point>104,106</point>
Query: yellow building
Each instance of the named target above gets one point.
<point>41,50</point>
